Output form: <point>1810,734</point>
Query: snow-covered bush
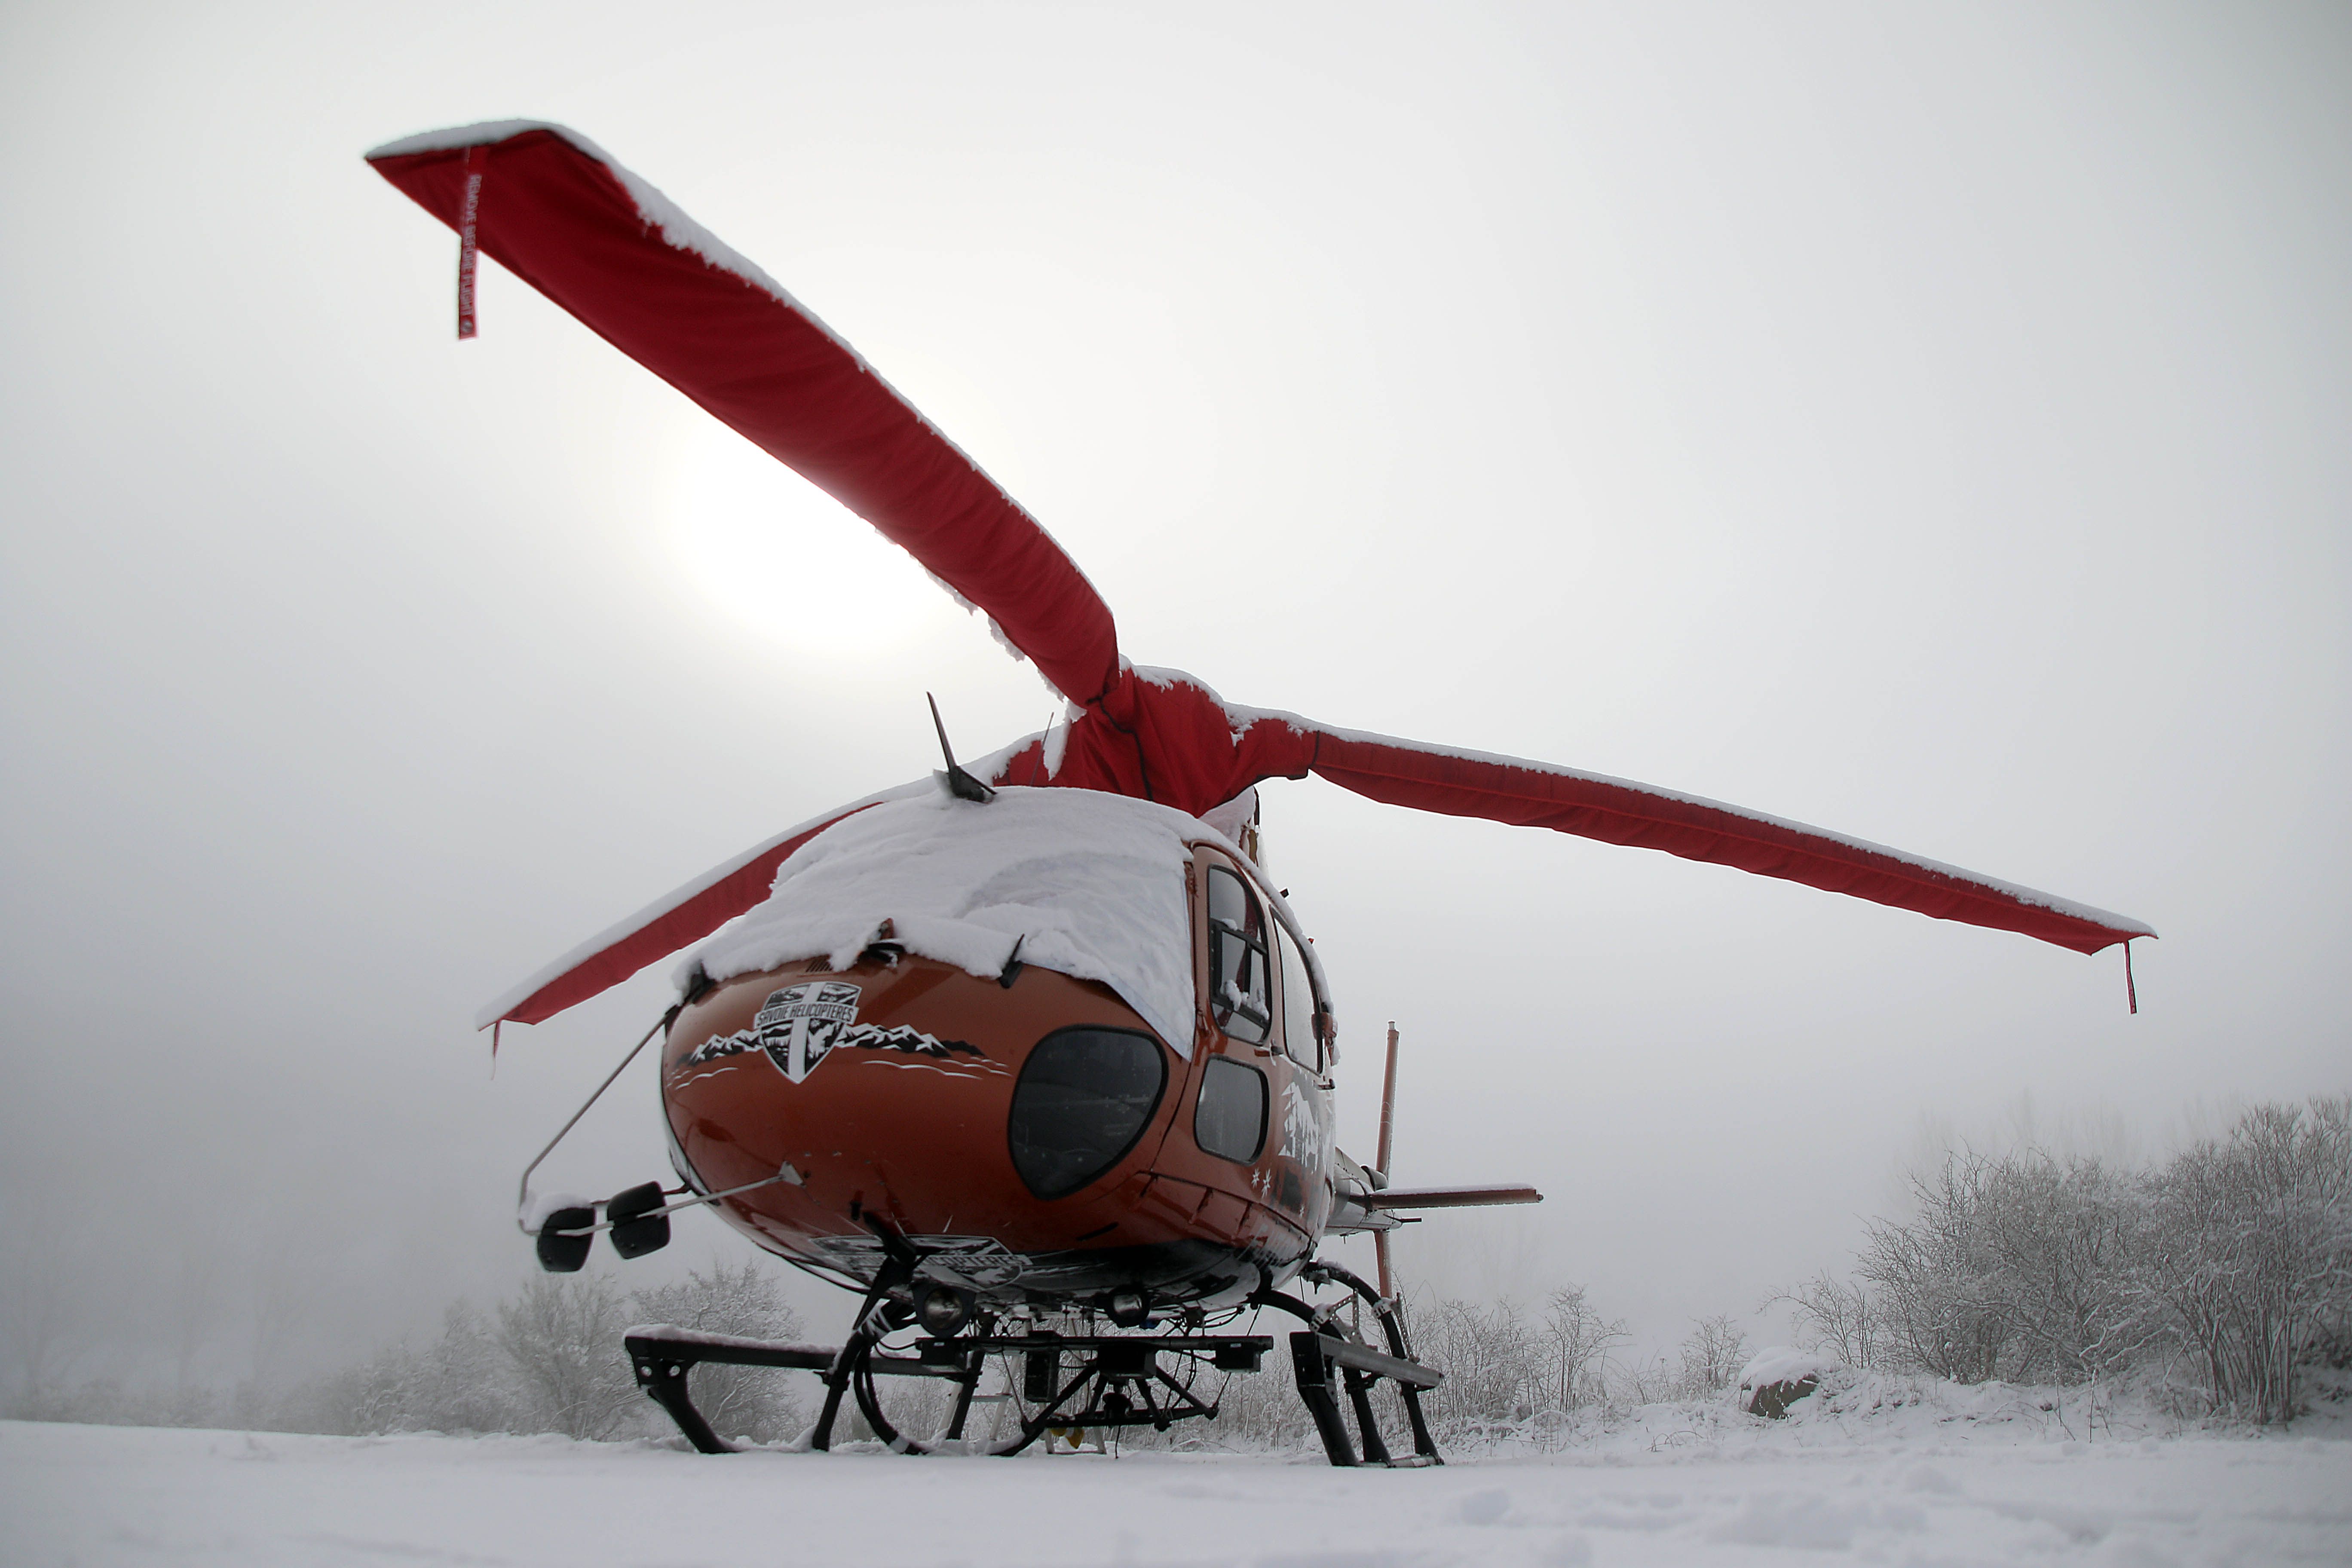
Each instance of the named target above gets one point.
<point>1503,1369</point>
<point>560,1334</point>
<point>550,1359</point>
<point>1702,1369</point>
<point>1255,1411</point>
<point>2251,1260</point>
<point>1837,1318</point>
<point>458,1382</point>
<point>1575,1342</point>
<point>1711,1357</point>
<point>1490,1360</point>
<point>2232,1257</point>
<point>2015,1267</point>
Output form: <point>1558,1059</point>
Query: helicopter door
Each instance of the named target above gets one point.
<point>1231,1117</point>
<point>1259,1103</point>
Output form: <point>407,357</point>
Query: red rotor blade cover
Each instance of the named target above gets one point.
<point>559,213</point>
<point>1163,735</point>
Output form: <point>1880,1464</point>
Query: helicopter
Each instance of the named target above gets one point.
<point>1030,1053</point>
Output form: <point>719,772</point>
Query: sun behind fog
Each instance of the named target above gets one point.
<point>786,561</point>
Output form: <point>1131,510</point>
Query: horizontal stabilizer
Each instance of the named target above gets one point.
<point>1448,1197</point>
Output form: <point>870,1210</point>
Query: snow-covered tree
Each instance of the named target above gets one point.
<point>562,1336</point>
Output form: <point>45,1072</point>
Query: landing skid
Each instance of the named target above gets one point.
<point>1065,1381</point>
<point>1068,1380</point>
<point>1326,1345</point>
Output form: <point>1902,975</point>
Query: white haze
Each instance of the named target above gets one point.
<point>1928,423</point>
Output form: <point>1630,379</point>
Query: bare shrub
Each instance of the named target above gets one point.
<point>2235,1253</point>
<point>1711,1357</point>
<point>2255,1267</point>
<point>1652,1381</point>
<point>2014,1268</point>
<point>1835,1317</point>
<point>1931,1277</point>
<point>458,1383</point>
<point>1574,1343</point>
<point>43,1320</point>
<point>561,1335</point>
<point>550,1359</point>
<point>2064,1233</point>
<point>1503,1369</point>
<point>1490,1361</point>
<point>1254,1410</point>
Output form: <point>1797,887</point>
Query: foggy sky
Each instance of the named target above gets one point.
<point>1927,424</point>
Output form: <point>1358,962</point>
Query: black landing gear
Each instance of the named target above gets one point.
<point>980,1392</point>
<point>1039,1381</point>
<point>972,1389</point>
<point>661,1357</point>
<point>1334,1342</point>
<point>977,1390</point>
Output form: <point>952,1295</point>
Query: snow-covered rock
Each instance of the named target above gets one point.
<point>1777,1378</point>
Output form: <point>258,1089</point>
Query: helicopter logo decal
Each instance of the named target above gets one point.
<point>798,1025</point>
<point>801,1025</point>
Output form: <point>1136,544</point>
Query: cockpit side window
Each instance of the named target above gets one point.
<point>1240,993</point>
<point>1297,1007</point>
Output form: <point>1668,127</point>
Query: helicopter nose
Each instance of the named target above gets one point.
<point>948,1102</point>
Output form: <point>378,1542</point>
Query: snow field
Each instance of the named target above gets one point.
<point>91,1495</point>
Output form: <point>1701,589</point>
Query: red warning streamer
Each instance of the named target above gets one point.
<point>467,249</point>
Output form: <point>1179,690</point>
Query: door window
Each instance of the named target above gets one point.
<point>1240,996</point>
<point>1297,1007</point>
<point>1230,1122</point>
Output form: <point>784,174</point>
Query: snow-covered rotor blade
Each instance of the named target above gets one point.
<point>674,920</point>
<point>1618,811</point>
<point>557,211</point>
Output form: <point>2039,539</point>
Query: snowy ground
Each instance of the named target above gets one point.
<point>1673,1485</point>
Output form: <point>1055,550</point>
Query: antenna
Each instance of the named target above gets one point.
<point>1388,1126</point>
<point>1388,1107</point>
<point>961,784</point>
